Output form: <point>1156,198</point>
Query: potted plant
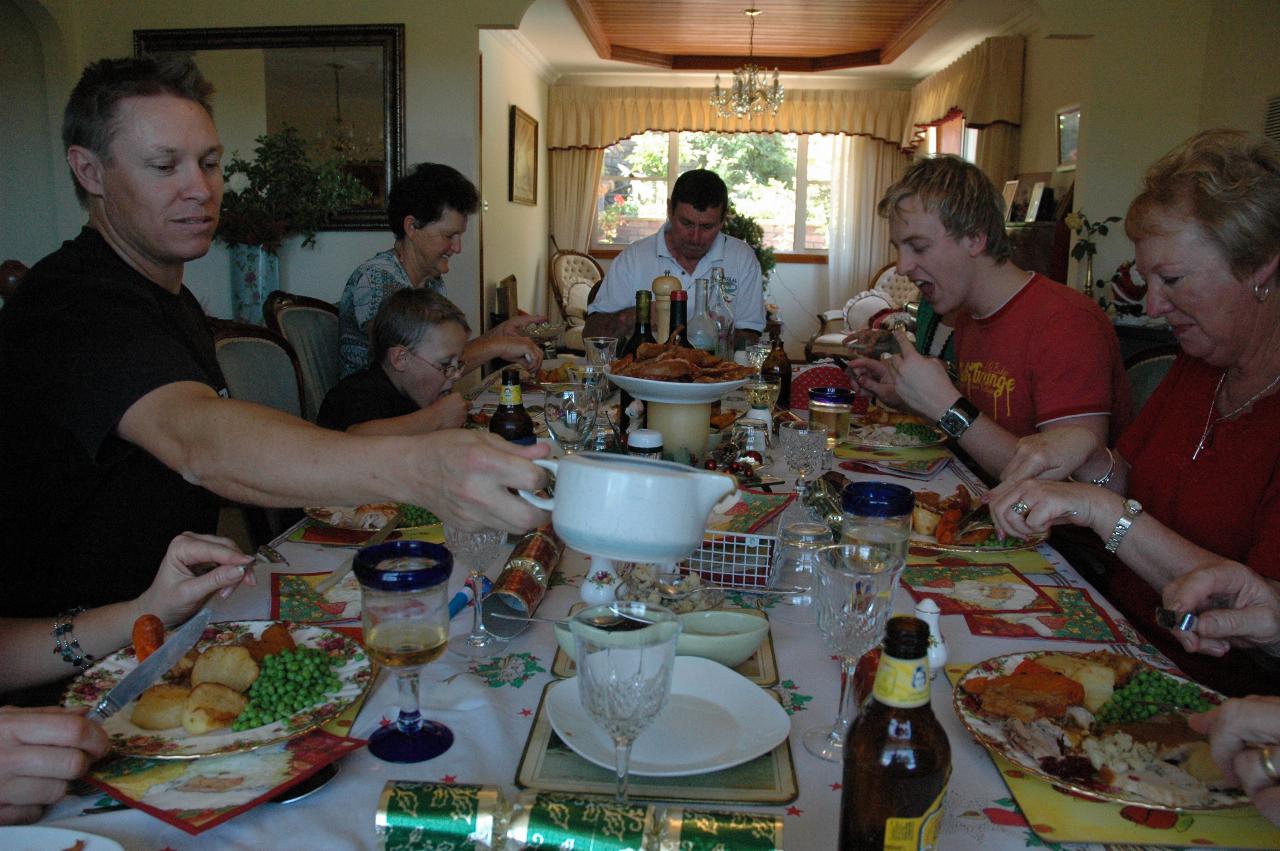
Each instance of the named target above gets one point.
<point>744,227</point>
<point>280,192</point>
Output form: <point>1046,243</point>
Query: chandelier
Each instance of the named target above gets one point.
<point>752,93</point>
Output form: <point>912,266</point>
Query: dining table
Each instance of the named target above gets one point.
<point>492,707</point>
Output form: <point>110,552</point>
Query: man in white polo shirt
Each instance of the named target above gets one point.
<point>689,246</point>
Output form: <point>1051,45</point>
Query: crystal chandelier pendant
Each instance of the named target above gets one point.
<point>751,93</point>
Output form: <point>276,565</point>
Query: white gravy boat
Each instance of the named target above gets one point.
<point>625,508</point>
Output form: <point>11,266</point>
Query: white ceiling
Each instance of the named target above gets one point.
<point>550,32</point>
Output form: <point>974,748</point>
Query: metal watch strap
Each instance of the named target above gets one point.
<point>1132,510</point>
<point>957,419</point>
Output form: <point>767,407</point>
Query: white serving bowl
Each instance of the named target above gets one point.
<point>722,635</point>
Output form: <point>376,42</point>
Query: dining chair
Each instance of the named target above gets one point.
<point>887,291</point>
<point>1146,370</point>
<point>573,276</point>
<point>311,327</point>
<point>259,366</point>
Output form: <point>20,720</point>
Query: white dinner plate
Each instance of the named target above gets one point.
<point>36,838</point>
<point>675,392</point>
<point>715,719</point>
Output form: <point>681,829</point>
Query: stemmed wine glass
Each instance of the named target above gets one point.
<point>601,352</point>
<point>570,413</point>
<point>854,600</point>
<point>757,354</point>
<point>405,614</point>
<point>624,671</point>
<point>475,550</point>
<point>803,447</point>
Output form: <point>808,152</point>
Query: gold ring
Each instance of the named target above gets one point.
<point>1268,765</point>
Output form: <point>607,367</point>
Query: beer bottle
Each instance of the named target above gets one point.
<point>897,759</point>
<point>511,421</point>
<point>677,329</point>
<point>777,367</point>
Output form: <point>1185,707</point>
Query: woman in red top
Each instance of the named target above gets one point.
<point>1196,478</point>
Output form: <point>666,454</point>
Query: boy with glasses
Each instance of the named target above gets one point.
<point>418,337</point>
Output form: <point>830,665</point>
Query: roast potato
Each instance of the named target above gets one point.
<point>212,706</point>
<point>160,707</point>
<point>230,666</point>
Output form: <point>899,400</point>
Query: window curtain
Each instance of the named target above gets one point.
<point>859,240</point>
<point>997,152</point>
<point>985,84</point>
<point>574,174</point>
<point>597,117</point>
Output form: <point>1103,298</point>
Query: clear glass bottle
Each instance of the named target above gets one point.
<point>703,332</point>
<point>720,306</point>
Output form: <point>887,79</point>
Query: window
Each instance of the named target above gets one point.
<point>783,181</point>
<point>951,136</point>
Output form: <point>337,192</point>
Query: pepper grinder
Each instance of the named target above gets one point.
<point>927,610</point>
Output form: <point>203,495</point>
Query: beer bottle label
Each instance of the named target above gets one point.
<point>511,395</point>
<point>916,834</point>
<point>903,683</point>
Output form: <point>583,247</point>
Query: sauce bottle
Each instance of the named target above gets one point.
<point>897,760</point>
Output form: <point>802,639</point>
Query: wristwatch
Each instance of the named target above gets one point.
<point>1132,509</point>
<point>957,419</point>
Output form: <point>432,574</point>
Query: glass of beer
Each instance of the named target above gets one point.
<point>830,407</point>
<point>405,613</point>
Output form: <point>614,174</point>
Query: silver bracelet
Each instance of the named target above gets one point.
<point>65,643</point>
<point>1105,477</point>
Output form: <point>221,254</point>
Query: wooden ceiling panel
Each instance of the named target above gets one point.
<point>794,35</point>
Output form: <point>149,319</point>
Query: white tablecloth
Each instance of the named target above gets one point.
<point>491,715</point>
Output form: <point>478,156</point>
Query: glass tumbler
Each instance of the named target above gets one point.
<point>830,407</point>
<point>877,519</point>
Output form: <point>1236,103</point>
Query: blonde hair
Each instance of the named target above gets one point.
<point>405,317</point>
<point>1228,181</point>
<point>964,199</point>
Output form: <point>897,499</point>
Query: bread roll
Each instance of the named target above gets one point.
<point>160,707</point>
<point>211,706</point>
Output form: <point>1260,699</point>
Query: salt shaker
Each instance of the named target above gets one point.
<point>927,610</point>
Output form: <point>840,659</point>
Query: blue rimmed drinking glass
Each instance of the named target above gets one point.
<point>405,614</point>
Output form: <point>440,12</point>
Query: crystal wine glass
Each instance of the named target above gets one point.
<point>804,448</point>
<point>757,354</point>
<point>854,600</point>
<point>405,615</point>
<point>624,671</point>
<point>570,413</point>
<point>601,352</point>
<point>475,550</point>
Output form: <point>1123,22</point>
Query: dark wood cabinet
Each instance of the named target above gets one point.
<point>1041,247</point>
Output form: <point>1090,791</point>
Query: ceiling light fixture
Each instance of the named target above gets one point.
<point>751,92</point>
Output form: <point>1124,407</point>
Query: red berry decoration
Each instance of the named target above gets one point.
<point>755,456</point>
<point>710,464</point>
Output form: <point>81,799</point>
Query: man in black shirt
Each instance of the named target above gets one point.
<point>115,429</point>
<point>418,339</point>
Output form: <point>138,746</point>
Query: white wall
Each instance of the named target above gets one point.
<point>441,115</point>
<point>515,235</point>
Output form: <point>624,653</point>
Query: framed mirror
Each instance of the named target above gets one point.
<point>342,87</point>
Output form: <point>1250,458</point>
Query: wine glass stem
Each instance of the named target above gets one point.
<point>622,763</point>
<point>410,719</point>
<point>848,702</point>
<point>477,623</point>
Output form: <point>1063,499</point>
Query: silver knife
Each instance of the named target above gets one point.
<point>393,522</point>
<point>145,675</point>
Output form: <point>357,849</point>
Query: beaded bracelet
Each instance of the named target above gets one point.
<point>65,643</point>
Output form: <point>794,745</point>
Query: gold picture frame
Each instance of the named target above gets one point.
<point>522,187</point>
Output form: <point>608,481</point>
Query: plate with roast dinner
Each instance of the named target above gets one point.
<point>1102,725</point>
<point>885,428</point>
<point>960,523</point>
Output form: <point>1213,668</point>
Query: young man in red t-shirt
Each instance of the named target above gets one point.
<point>1031,354</point>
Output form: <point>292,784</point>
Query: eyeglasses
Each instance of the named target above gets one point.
<point>451,370</point>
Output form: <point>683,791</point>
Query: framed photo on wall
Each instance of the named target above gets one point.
<point>1068,135</point>
<point>523,173</point>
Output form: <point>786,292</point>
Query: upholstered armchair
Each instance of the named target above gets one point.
<point>573,274</point>
<point>888,292</point>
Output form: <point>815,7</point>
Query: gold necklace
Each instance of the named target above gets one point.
<point>1210,422</point>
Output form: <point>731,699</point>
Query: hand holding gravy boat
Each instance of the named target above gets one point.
<point>626,508</point>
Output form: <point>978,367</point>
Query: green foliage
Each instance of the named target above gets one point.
<point>1085,232</point>
<point>745,228</point>
<point>281,191</point>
